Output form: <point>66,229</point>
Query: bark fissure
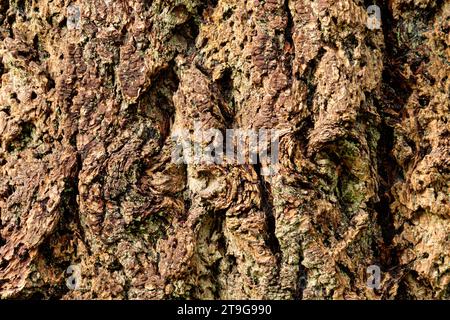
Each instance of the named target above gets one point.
<point>91,94</point>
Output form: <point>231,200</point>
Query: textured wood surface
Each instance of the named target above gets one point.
<point>91,91</point>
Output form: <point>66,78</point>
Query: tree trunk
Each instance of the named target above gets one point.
<point>92,204</point>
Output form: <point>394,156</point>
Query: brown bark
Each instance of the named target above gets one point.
<point>91,91</point>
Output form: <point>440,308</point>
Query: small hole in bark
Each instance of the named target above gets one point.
<point>36,43</point>
<point>37,296</point>
<point>33,95</point>
<point>2,70</point>
<point>63,23</point>
<point>425,150</point>
<point>424,101</point>
<point>24,256</point>
<point>2,242</point>
<point>50,83</point>
<point>9,191</point>
<point>3,265</point>
<point>350,44</point>
<point>226,83</point>
<point>214,3</point>
<point>415,65</point>
<point>21,6</point>
<point>24,138</point>
<point>11,19</point>
<point>7,110</point>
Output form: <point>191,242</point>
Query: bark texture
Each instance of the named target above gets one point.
<point>91,91</point>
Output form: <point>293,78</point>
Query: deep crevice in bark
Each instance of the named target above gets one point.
<point>267,207</point>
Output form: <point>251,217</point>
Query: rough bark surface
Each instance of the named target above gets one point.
<point>91,91</point>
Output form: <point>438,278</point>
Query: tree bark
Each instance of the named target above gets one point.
<point>92,91</point>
